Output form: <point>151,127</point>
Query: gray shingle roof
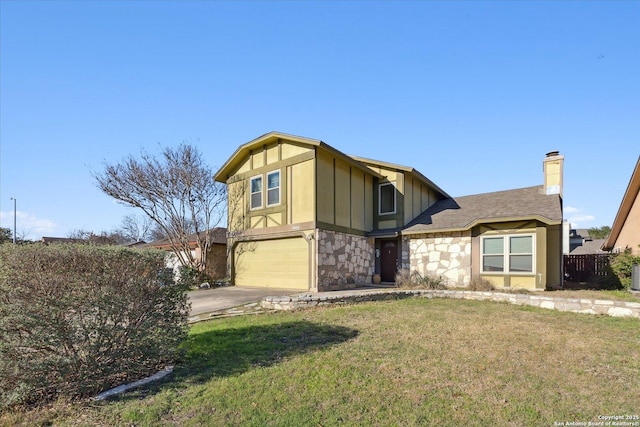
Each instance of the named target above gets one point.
<point>462,213</point>
<point>589,247</point>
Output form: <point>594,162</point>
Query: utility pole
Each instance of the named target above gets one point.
<point>14,220</point>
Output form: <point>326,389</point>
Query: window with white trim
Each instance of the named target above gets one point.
<point>510,254</point>
<point>386,198</point>
<point>256,192</point>
<point>273,188</point>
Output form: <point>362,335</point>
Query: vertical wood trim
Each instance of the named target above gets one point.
<point>334,190</point>
<point>350,198</point>
<point>289,219</point>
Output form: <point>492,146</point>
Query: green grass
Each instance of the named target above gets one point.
<point>407,362</point>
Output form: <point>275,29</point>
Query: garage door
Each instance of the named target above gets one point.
<point>281,263</point>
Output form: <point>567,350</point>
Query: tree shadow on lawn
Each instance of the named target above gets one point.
<point>232,351</point>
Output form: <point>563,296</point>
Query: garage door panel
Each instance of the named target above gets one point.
<point>282,263</point>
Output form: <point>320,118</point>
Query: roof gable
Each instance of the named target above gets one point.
<point>244,150</point>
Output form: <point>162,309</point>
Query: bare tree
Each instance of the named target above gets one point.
<point>176,191</point>
<point>136,228</point>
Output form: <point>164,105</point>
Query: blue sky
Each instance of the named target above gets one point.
<point>472,94</point>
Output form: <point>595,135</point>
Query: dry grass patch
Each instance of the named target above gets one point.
<point>408,362</point>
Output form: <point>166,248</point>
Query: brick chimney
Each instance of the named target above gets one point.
<point>552,167</point>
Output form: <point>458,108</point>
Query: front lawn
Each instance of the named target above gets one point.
<point>407,362</point>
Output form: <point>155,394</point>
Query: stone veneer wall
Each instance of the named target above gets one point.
<point>344,260</point>
<point>447,255</point>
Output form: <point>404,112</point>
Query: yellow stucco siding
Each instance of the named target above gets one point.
<point>554,254</point>
<point>387,224</point>
<point>412,199</point>
<point>290,149</point>
<point>368,203</point>
<point>426,197</point>
<point>257,158</point>
<point>343,193</point>
<point>245,166</point>
<point>390,175</point>
<point>511,282</point>
<point>629,237</point>
<point>541,256</point>
<point>256,221</point>
<point>236,205</point>
<point>416,198</point>
<point>357,200</point>
<point>275,219</point>
<point>273,153</point>
<point>301,196</point>
<point>324,187</point>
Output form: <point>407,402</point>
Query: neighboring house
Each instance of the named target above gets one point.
<point>625,233</point>
<point>216,258</point>
<point>581,243</point>
<point>306,216</point>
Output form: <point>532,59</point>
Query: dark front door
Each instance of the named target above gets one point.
<point>388,260</point>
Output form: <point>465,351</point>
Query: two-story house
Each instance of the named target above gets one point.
<point>304,215</point>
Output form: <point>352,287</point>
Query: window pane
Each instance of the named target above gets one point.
<point>256,200</point>
<point>523,263</point>
<point>256,192</point>
<point>521,245</point>
<point>387,198</point>
<point>256,185</point>
<point>273,196</point>
<point>493,245</point>
<point>273,180</point>
<point>493,263</point>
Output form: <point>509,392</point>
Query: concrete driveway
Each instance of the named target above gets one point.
<point>216,299</point>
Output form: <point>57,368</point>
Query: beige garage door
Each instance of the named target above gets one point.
<point>281,263</point>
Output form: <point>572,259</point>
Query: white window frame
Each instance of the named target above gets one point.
<point>506,254</point>
<point>395,201</point>
<point>251,193</point>
<point>279,187</point>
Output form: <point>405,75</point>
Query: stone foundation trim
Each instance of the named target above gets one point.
<point>585,306</point>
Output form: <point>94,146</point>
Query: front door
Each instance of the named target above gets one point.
<point>388,260</point>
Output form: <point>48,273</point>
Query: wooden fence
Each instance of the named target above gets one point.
<point>586,268</point>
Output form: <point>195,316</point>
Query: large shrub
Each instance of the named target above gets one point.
<point>77,319</point>
<point>622,265</point>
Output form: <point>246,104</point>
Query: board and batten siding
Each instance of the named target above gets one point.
<point>344,194</point>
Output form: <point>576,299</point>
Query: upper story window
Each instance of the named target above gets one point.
<point>256,192</point>
<point>257,189</point>
<point>273,188</point>
<point>512,254</point>
<point>387,198</point>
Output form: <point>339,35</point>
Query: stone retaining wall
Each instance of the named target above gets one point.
<point>588,306</point>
